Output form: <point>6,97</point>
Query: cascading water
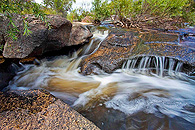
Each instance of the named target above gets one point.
<point>155,65</point>
<point>148,92</point>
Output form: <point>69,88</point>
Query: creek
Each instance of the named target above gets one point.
<point>150,94</point>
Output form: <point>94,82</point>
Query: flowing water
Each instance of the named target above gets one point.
<point>146,93</point>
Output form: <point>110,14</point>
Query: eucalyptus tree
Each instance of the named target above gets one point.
<point>184,9</point>
<point>60,6</point>
<point>100,9</point>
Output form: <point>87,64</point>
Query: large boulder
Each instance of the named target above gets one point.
<point>38,109</point>
<point>60,30</point>
<point>25,45</point>
<point>42,38</point>
<point>119,46</point>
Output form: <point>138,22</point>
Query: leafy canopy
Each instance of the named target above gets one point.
<point>60,6</point>
<point>155,8</point>
<point>100,9</point>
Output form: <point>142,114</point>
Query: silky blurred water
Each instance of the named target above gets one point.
<point>129,98</point>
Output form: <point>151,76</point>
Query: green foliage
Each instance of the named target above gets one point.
<point>61,7</point>
<point>49,11</point>
<point>164,7</point>
<point>1,47</point>
<point>82,13</point>
<point>171,9</point>
<point>9,8</point>
<point>73,15</point>
<point>189,12</point>
<point>154,8</point>
<point>26,30</point>
<point>79,13</point>
<point>100,9</point>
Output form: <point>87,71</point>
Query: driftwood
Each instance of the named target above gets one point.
<point>150,22</point>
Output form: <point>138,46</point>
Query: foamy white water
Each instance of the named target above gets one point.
<point>134,88</point>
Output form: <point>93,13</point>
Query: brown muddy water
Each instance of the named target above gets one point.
<point>133,98</point>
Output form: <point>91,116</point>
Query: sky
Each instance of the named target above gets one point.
<point>79,3</point>
<point>38,1</point>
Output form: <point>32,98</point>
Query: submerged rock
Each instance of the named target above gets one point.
<point>187,37</point>
<point>38,109</point>
<point>122,45</point>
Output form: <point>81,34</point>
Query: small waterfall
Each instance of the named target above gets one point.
<point>73,64</point>
<point>89,46</point>
<point>155,65</point>
<point>87,49</point>
<point>149,92</point>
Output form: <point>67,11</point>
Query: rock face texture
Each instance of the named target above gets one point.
<point>122,45</point>
<point>38,109</point>
<point>41,39</point>
<point>25,45</point>
<point>79,34</point>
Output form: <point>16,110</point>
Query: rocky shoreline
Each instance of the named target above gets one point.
<point>38,109</point>
<point>61,38</point>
